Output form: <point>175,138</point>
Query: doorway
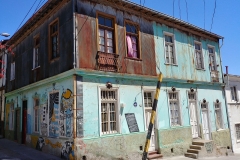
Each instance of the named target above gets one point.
<point>205,121</point>
<point>24,121</point>
<point>193,114</point>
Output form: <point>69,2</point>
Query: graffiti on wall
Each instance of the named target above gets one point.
<point>66,147</point>
<point>66,113</point>
<point>44,113</point>
<point>54,115</point>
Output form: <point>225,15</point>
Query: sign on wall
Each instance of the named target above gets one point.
<point>132,123</point>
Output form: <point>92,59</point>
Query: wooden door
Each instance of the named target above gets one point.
<point>205,123</point>
<point>24,122</point>
<point>152,139</point>
<point>17,125</point>
<point>193,119</point>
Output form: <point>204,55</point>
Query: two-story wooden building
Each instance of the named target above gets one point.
<point>82,80</point>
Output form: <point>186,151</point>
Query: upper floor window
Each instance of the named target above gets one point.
<point>199,56</point>
<point>12,76</point>
<point>106,34</point>
<point>170,55</point>
<point>212,59</point>
<point>132,39</point>
<point>174,108</point>
<point>234,94</point>
<point>36,52</point>
<point>54,41</point>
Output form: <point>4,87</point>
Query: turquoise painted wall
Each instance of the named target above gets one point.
<point>40,92</point>
<point>184,47</point>
<point>209,92</point>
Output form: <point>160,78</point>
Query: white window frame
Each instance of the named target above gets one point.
<point>237,139</point>
<point>221,115</point>
<point>152,91</point>
<point>12,76</point>
<point>234,93</point>
<point>209,116</point>
<point>214,58</point>
<point>174,49</point>
<point>179,108</point>
<point>36,51</point>
<point>36,109</point>
<point>118,116</point>
<point>11,117</point>
<point>202,57</point>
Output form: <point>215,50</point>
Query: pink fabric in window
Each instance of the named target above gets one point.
<point>129,44</point>
<point>134,47</point>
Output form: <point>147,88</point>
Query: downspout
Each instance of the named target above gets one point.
<point>74,34</point>
<point>74,106</point>
<point>224,92</point>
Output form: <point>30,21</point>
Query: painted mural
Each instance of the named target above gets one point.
<point>66,113</point>
<point>65,147</point>
<point>43,119</point>
<point>54,114</point>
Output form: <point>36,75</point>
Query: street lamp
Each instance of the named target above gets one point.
<point>5,34</point>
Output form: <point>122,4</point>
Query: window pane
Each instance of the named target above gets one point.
<point>100,20</point>
<point>109,50</point>
<point>168,39</point>
<point>101,40</point>
<point>109,42</point>
<point>108,22</point>
<point>101,32</point>
<point>109,34</point>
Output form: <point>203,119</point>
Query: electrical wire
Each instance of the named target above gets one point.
<point>179,8</point>
<point>186,9</point>
<point>38,6</point>
<point>26,15</point>
<point>204,13</point>
<point>215,6</point>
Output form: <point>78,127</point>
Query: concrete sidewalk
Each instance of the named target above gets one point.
<point>10,150</point>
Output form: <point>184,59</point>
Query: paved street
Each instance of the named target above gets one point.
<point>10,150</point>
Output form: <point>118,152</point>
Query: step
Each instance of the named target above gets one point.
<point>152,152</point>
<point>154,156</point>
<point>198,143</point>
<point>193,151</point>
<point>195,147</point>
<point>191,155</point>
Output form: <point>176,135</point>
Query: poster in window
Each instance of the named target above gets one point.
<point>132,123</point>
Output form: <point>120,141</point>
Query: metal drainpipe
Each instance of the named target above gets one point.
<point>74,112</point>
<point>74,34</point>
<point>224,92</point>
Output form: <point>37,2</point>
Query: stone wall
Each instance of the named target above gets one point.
<point>222,138</point>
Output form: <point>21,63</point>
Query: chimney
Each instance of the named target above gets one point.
<point>226,70</point>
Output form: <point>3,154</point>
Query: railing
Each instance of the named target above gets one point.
<point>107,61</point>
<point>214,76</point>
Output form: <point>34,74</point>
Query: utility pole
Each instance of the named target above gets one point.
<point>154,108</point>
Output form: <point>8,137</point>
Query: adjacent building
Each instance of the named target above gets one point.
<point>83,77</point>
<point>233,104</point>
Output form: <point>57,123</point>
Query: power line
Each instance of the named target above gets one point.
<point>179,8</point>
<point>38,6</point>
<point>215,6</point>
<point>26,15</point>
<point>186,9</point>
<point>204,13</point>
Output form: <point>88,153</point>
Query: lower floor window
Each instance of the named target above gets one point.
<point>174,108</point>
<point>109,111</point>
<point>237,126</point>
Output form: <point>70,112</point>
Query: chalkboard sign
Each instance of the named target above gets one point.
<point>132,123</point>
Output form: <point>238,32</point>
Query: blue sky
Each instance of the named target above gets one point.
<point>226,21</point>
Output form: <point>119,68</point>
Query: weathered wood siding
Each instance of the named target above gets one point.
<point>24,74</point>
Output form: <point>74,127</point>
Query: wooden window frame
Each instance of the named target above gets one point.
<point>115,42</point>
<point>138,37</point>
<point>214,65</point>
<point>51,58</point>
<point>234,93</point>
<point>179,108</point>
<point>202,67</point>
<point>36,47</point>
<point>169,44</point>
<point>116,101</point>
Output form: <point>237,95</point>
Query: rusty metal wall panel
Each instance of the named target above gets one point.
<point>87,40</point>
<point>87,46</point>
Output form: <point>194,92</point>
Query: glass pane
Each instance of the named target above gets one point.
<point>100,20</point>
<point>113,126</point>
<point>109,42</point>
<point>197,46</point>
<point>101,40</point>
<point>109,34</point>
<point>112,116</point>
<point>210,50</point>
<point>168,39</point>
<point>101,48</point>
<point>108,22</point>
<point>109,50</point>
<point>101,33</point>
